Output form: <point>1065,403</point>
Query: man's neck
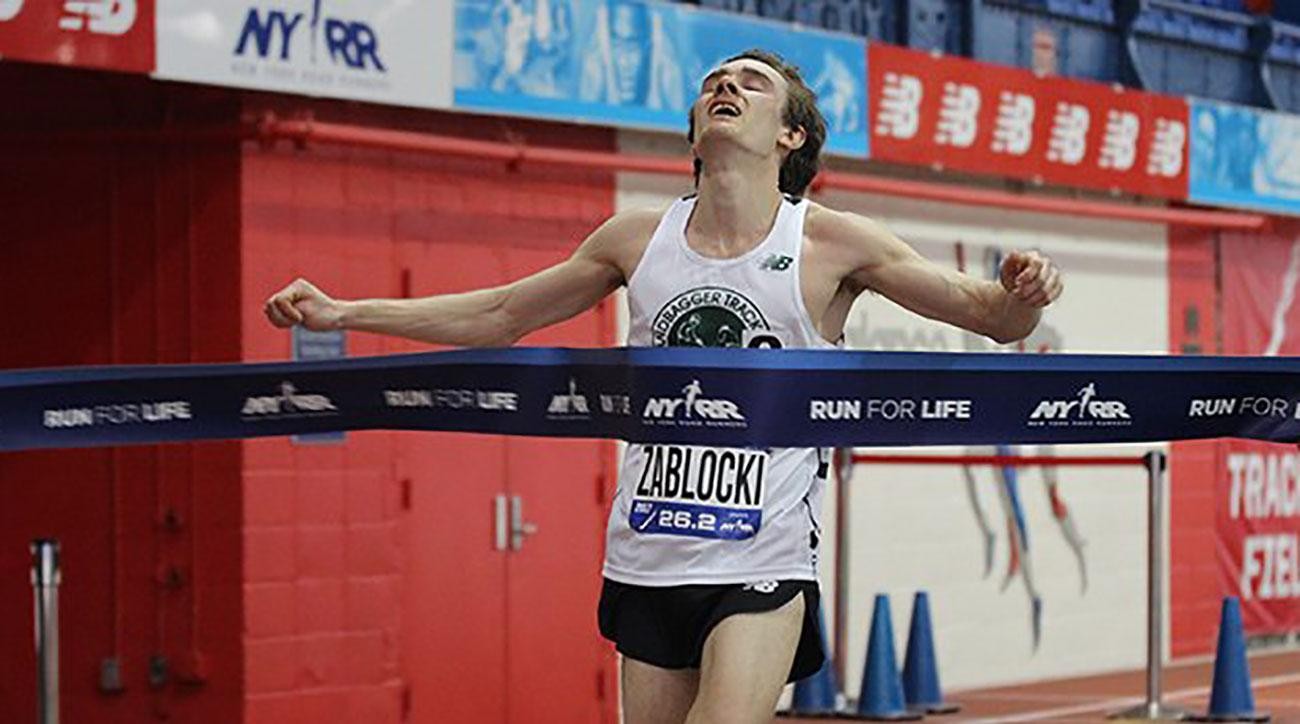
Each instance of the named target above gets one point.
<point>735,209</point>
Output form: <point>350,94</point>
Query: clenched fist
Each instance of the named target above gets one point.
<point>1031,278</point>
<point>302,303</point>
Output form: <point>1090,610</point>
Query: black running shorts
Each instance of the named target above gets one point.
<point>667,625</point>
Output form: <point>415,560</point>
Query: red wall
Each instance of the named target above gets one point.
<point>1194,328</point>
<point>336,583</point>
<point>118,253</point>
<point>372,585</point>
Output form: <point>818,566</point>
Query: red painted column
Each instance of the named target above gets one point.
<point>1194,328</point>
<point>120,254</point>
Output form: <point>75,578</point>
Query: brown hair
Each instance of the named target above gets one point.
<point>798,168</point>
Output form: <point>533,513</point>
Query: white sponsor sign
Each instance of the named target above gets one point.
<point>385,51</point>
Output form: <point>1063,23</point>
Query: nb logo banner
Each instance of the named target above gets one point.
<point>955,113</point>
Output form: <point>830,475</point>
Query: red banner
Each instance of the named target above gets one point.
<point>113,34</point>
<point>1257,516</point>
<point>960,114</point>
<point>1257,486</point>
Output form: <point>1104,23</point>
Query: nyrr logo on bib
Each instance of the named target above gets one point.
<point>708,317</point>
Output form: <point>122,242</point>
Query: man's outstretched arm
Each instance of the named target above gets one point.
<point>1006,310</point>
<point>496,316</point>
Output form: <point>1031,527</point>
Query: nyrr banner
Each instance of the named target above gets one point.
<point>733,397</point>
<point>950,112</point>
<point>384,51</point>
<point>638,63</point>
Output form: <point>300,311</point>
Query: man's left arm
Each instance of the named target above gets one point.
<point>1006,310</point>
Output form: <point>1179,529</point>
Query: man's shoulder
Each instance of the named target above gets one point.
<point>831,226</point>
<point>629,227</point>
<point>637,221</point>
<point>623,236</point>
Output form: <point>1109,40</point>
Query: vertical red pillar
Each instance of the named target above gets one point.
<point>121,253</point>
<point>1194,328</point>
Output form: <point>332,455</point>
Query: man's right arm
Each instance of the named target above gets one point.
<point>492,317</point>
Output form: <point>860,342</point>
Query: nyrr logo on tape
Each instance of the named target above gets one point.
<point>571,405</point>
<point>289,403</point>
<point>692,409</point>
<point>1086,410</point>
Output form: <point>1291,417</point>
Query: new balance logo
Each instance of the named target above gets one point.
<point>1166,156</point>
<point>1014,132</point>
<point>900,106</point>
<point>958,116</point>
<point>1119,146</point>
<point>1069,141</point>
<point>103,17</point>
<point>776,262</point>
<point>9,9</point>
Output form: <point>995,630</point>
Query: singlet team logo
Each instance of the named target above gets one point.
<point>707,317</point>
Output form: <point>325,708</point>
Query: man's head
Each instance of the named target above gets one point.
<point>758,100</point>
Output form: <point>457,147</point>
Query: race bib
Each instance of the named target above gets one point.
<point>701,492</point>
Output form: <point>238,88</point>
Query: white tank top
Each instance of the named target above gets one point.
<point>696,515</point>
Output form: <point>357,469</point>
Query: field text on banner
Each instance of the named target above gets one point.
<point>1258,524</point>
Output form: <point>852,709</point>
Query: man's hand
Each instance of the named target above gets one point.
<point>302,303</point>
<point>1031,278</point>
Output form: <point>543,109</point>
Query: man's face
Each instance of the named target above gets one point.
<point>742,103</point>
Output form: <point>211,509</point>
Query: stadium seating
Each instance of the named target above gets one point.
<point>1203,48</point>
<point>1081,34</point>
<point>1280,67</point>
